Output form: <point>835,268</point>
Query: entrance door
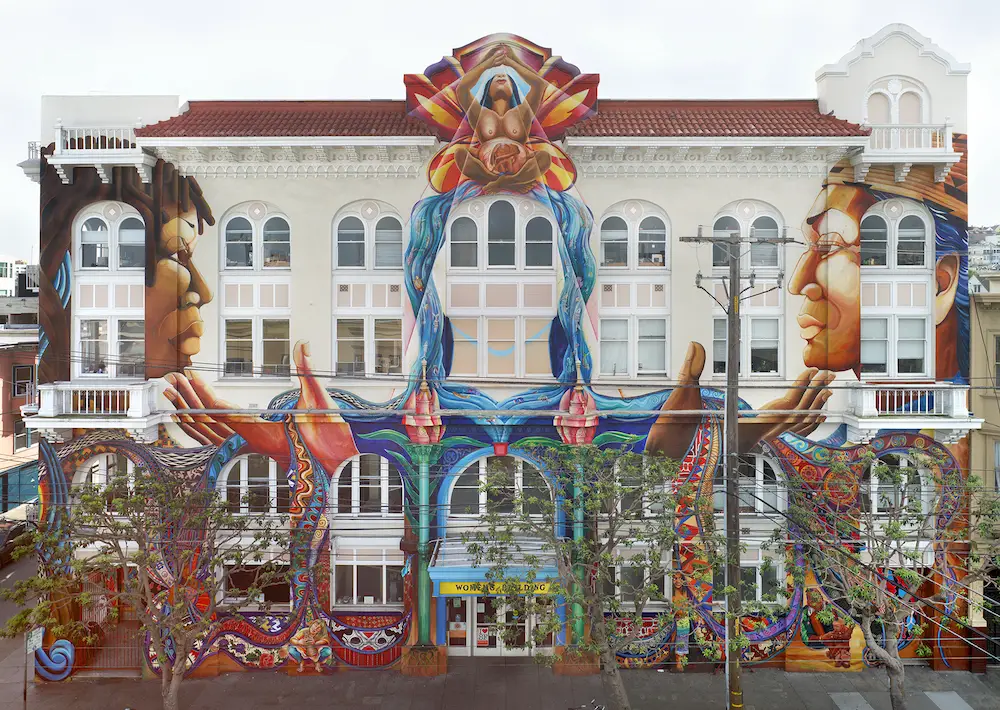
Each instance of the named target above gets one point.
<point>489,637</point>
<point>460,626</point>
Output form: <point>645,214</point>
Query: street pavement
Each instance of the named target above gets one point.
<point>12,653</point>
<point>502,684</point>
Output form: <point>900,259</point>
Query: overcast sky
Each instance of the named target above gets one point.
<point>301,49</point>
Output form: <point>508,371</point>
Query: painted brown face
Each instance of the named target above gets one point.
<point>828,275</point>
<point>178,292</point>
<point>501,88</point>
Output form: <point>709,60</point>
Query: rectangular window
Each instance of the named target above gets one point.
<point>388,346</point>
<point>719,335</point>
<point>500,346</point>
<point>240,579</point>
<point>370,484</point>
<point>764,254</point>
<point>368,584</point>
<point>258,484</point>
<point>911,346</point>
<point>131,348</point>
<point>23,379</point>
<point>464,244</point>
<point>94,249</point>
<point>94,347</point>
<point>614,346</point>
<point>350,346</point>
<point>614,244</point>
<point>652,346</point>
<point>465,356</point>
<point>239,348</point>
<point>874,345</point>
<point>996,361</point>
<point>536,346</point>
<point>275,347</point>
<point>764,345</point>
<point>22,436</point>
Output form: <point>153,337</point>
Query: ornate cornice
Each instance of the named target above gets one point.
<point>748,160</point>
<point>291,161</point>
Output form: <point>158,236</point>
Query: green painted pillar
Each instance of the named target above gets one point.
<point>423,548</point>
<point>578,622</point>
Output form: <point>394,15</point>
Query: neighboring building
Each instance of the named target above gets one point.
<point>976,285</point>
<point>457,272</point>
<point>984,457</point>
<point>18,389</point>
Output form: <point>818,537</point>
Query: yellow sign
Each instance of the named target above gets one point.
<point>491,588</point>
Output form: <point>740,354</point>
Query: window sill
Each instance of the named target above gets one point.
<point>354,608</point>
<point>253,381</point>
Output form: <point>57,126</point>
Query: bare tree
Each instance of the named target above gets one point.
<point>162,547</point>
<point>598,535</point>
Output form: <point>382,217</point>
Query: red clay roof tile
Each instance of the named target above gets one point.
<point>232,119</point>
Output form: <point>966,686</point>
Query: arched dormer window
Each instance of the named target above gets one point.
<point>652,242</point>
<point>723,227</point>
<point>763,254</point>
<point>894,234</point>
<point>894,486</point>
<point>464,244</point>
<point>102,471</point>
<point>95,238</point>
<point>351,243</point>
<point>253,483</point>
<point>614,242</point>
<point>388,243</point>
<point>634,235</point>
<point>256,236</point>
<point>110,236</point>
<point>369,485</point>
<point>538,242</point>
<point>754,221</point>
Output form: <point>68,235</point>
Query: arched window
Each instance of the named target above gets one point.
<point>898,491</point>
<point>351,242</point>
<point>874,241</point>
<point>614,242</point>
<point>388,243</point>
<point>239,243</point>
<point>652,242</point>
<point>464,243</point>
<point>369,485</point>
<point>500,235</point>
<point>94,244</point>
<point>724,226</point>
<point>759,485</point>
<point>104,470</point>
<point>911,245</point>
<point>764,254</point>
<point>878,109</point>
<point>538,242</point>
<point>253,483</point>
<point>910,108</point>
<point>131,244</point>
<point>513,478</point>
<point>277,243</point>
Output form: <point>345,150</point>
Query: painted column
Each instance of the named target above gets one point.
<point>424,429</point>
<point>578,622</point>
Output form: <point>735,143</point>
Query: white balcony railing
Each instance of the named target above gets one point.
<point>62,399</point>
<point>895,137</point>
<point>33,150</point>
<point>71,140</point>
<point>867,401</point>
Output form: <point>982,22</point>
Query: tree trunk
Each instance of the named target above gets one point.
<point>171,690</point>
<point>611,678</point>
<point>895,673</point>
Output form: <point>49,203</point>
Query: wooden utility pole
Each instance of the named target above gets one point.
<point>734,600</point>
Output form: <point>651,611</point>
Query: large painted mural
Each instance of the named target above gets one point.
<point>499,105</point>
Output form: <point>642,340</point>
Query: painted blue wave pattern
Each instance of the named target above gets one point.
<point>57,662</point>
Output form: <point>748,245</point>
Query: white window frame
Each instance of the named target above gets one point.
<point>96,468</point>
<point>113,341</point>
<point>756,462</point>
<point>257,340</point>
<point>524,211</point>
<point>746,213</point>
<point>892,335</point>
<point>483,466</point>
<point>870,489</point>
<point>240,466</point>
<point>113,215</point>
<point>21,387</point>
<point>252,605</point>
<point>368,340</point>
<point>370,212</point>
<point>632,343</point>
<point>745,346</point>
<point>258,214</point>
<point>893,212</point>
<point>627,605</point>
<point>633,212</point>
<point>384,487</point>
<point>23,436</point>
<point>389,558</point>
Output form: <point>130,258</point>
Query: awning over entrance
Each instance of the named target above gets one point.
<point>453,572</point>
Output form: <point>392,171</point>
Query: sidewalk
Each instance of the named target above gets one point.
<point>502,684</point>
